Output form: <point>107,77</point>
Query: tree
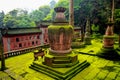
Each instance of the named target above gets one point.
<point>71,13</point>
<point>36,16</point>
<point>45,10</point>
<point>52,4</point>
<point>18,18</point>
<point>61,3</point>
<point>1,19</point>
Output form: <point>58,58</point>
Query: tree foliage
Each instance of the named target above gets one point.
<point>98,11</point>
<point>18,18</point>
<point>1,19</point>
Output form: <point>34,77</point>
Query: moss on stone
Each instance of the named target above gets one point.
<point>109,37</point>
<point>53,29</point>
<point>77,45</point>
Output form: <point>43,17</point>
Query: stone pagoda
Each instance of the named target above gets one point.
<point>60,62</point>
<point>108,51</point>
<point>87,39</point>
<point>60,34</point>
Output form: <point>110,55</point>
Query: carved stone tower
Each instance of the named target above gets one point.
<point>60,62</point>
<point>60,34</point>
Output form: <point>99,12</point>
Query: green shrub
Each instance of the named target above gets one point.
<point>77,45</point>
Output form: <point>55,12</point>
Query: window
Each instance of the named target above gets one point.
<point>32,42</point>
<point>20,45</point>
<point>17,40</point>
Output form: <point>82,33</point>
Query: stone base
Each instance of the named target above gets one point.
<point>61,60</point>
<point>60,52</point>
<point>108,53</point>
<point>60,73</point>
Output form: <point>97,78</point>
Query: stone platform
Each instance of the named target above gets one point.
<point>65,73</point>
<point>61,61</point>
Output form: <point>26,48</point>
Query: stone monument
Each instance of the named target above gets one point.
<point>60,62</point>
<point>60,34</point>
<point>108,51</point>
<point>87,39</point>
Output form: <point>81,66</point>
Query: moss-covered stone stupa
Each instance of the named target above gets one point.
<point>60,62</point>
<point>60,34</point>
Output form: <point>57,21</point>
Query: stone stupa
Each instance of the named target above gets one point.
<point>107,50</point>
<point>60,62</point>
<point>60,35</point>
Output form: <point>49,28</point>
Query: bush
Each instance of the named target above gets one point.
<point>77,45</point>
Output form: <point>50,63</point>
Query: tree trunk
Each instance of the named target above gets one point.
<point>71,13</point>
<point>113,5</point>
<point>112,14</point>
<point>82,33</point>
<point>119,40</point>
<point>2,55</point>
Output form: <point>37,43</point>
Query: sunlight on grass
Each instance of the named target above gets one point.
<point>95,47</point>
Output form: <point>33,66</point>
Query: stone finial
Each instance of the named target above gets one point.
<point>60,17</point>
<point>109,30</point>
<point>60,9</point>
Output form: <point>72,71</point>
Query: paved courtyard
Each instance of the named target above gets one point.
<point>99,69</point>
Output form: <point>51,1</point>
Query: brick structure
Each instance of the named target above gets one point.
<point>21,38</point>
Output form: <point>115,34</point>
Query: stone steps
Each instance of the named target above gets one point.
<point>45,71</point>
<point>59,75</point>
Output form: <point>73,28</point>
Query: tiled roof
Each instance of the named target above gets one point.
<point>23,31</point>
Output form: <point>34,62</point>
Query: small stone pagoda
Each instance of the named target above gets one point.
<point>108,38</point>
<point>87,39</point>
<point>108,51</point>
<point>60,34</point>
